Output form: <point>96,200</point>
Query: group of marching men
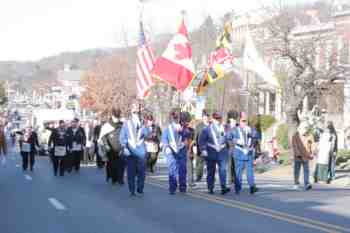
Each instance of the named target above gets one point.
<point>133,144</point>
<point>138,141</point>
<point>66,147</point>
<point>226,146</point>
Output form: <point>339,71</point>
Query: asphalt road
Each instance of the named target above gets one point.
<point>38,202</point>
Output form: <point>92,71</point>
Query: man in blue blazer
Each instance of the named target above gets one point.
<point>245,139</point>
<point>132,136</point>
<point>175,140</point>
<point>213,145</point>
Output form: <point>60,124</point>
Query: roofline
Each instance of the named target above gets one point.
<point>325,27</point>
<point>341,13</point>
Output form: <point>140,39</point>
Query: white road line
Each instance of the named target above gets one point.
<point>88,165</point>
<point>28,177</point>
<point>276,186</point>
<point>17,165</point>
<point>58,205</point>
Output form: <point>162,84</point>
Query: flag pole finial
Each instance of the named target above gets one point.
<point>141,8</point>
<point>183,14</point>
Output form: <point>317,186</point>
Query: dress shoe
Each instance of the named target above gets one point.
<point>308,187</point>
<point>225,190</point>
<point>253,190</point>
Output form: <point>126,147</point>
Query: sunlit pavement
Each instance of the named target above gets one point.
<point>38,202</point>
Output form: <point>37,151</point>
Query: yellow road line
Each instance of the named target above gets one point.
<point>271,211</point>
<point>325,227</point>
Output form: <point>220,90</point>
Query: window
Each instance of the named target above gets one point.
<point>272,102</point>
<point>345,52</point>
<point>317,56</point>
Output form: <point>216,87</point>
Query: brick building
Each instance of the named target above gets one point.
<point>335,31</point>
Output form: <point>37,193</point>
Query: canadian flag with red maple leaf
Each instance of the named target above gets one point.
<point>175,66</point>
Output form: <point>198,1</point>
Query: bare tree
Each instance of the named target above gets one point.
<point>296,52</point>
<point>108,84</point>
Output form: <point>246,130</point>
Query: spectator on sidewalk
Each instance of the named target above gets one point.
<point>302,144</point>
<point>326,155</point>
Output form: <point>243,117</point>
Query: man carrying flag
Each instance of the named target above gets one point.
<point>175,66</point>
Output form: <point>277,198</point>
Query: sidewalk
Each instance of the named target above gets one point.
<point>342,179</point>
<point>279,175</point>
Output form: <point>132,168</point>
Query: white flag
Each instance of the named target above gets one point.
<point>253,62</point>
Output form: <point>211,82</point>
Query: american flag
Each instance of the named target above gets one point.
<point>144,66</point>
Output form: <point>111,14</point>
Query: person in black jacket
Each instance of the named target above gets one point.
<point>76,145</point>
<point>28,143</point>
<point>115,164</point>
<point>96,136</point>
<point>152,142</point>
<point>58,143</point>
<point>231,124</point>
<point>200,161</point>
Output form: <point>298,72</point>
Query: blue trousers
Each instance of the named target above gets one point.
<point>177,169</point>
<point>240,166</point>
<point>136,168</point>
<point>211,169</point>
<point>297,168</point>
<point>331,166</point>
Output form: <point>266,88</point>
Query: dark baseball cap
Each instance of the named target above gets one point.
<point>217,115</point>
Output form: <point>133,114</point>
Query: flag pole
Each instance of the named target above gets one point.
<point>183,15</point>
<point>223,98</point>
<point>141,100</point>
<point>141,6</point>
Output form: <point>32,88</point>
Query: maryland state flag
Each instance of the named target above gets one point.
<point>203,84</point>
<point>216,72</point>
<point>224,40</point>
<point>219,61</point>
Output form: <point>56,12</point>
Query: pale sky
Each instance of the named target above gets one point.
<point>33,29</point>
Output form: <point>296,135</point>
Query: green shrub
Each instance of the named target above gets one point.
<point>284,158</point>
<point>282,136</point>
<point>343,153</point>
<point>266,121</point>
<point>343,156</point>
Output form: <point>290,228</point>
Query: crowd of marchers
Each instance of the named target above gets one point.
<point>131,143</point>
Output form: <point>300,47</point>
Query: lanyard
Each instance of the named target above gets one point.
<point>214,135</point>
<point>173,140</point>
<point>132,136</point>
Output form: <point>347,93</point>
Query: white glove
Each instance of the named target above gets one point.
<point>168,150</point>
<point>204,153</point>
<point>126,152</point>
<point>195,150</point>
<point>177,127</point>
